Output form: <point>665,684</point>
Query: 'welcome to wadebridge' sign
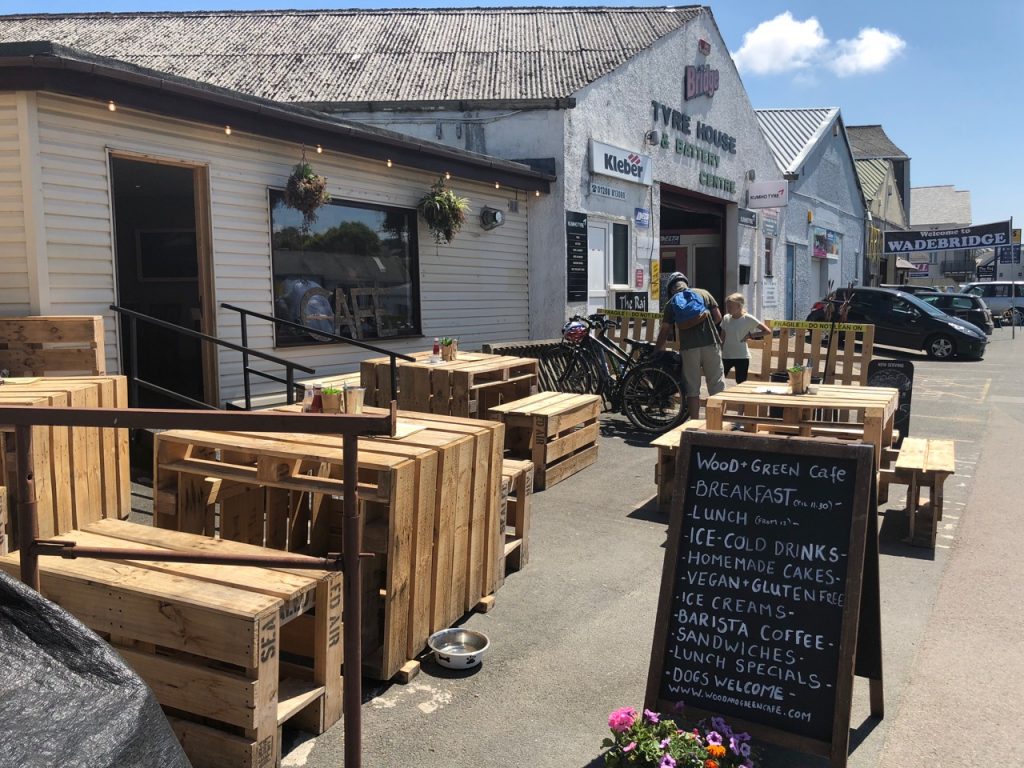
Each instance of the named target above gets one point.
<point>976,236</point>
<point>620,163</point>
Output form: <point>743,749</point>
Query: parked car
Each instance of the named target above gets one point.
<point>916,290</point>
<point>1003,297</point>
<point>903,320</point>
<point>966,306</point>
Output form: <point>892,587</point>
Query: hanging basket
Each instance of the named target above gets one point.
<point>305,191</point>
<point>444,212</point>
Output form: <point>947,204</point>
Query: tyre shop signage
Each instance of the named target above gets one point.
<point>700,80</point>
<point>976,236</point>
<point>768,194</point>
<point>620,163</point>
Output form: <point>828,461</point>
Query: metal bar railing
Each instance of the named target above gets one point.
<point>350,427</point>
<point>392,356</point>
<point>135,382</point>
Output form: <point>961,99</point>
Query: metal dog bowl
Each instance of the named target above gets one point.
<point>458,648</point>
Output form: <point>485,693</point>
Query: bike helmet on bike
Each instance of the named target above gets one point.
<point>674,278</point>
<point>575,331</point>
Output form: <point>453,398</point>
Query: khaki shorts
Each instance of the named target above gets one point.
<point>709,359</point>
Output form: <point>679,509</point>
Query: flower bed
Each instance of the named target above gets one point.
<point>652,741</point>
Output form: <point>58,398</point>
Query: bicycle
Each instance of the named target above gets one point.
<point>644,385</point>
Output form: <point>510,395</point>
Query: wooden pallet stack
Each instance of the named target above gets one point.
<point>556,430</point>
<point>431,505</point>
<point>42,346</point>
<point>82,474</point>
<point>516,490</point>
<point>231,653</point>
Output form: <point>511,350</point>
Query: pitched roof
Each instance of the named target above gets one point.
<point>932,206</point>
<point>44,66</point>
<point>791,133</point>
<point>871,141</point>
<point>473,54</point>
<point>872,174</point>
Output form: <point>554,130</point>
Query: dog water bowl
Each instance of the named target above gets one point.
<point>458,648</point>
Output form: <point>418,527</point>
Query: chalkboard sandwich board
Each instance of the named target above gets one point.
<point>761,588</point>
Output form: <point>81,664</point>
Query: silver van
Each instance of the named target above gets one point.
<point>1004,298</point>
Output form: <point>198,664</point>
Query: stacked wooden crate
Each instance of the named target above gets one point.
<point>231,653</point>
<point>82,474</point>
<point>38,346</point>
<point>431,505</point>
<point>516,489</point>
<point>556,430</point>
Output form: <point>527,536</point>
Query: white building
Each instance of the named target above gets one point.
<point>825,218</point>
<point>131,187</point>
<point>638,113</point>
<point>939,208</point>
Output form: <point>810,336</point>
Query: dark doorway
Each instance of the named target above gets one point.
<point>159,270</point>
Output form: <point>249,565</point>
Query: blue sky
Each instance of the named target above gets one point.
<point>943,78</point>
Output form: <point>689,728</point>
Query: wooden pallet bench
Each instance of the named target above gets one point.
<point>231,653</point>
<point>557,430</point>
<point>517,487</point>
<point>430,498</point>
<point>923,463</point>
<point>667,444</point>
<point>82,474</point>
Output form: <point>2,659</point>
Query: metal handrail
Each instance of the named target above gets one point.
<point>392,356</point>
<point>134,382</point>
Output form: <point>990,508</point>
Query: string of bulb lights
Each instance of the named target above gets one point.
<point>112,106</point>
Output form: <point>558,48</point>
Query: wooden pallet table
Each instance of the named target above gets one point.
<point>667,444</point>
<point>429,495</point>
<point>557,430</point>
<point>230,652</point>
<point>923,463</point>
<point>82,474</point>
<point>467,387</point>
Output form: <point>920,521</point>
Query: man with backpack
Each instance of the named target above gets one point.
<point>694,313</point>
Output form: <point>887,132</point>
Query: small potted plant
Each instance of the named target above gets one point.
<point>799,379</point>
<point>444,212</point>
<point>332,399</point>
<point>305,191</point>
<point>651,740</point>
<point>449,348</point>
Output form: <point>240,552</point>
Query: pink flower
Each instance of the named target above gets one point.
<point>622,719</point>
<point>629,747</point>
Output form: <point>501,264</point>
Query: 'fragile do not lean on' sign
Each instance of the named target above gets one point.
<point>760,594</point>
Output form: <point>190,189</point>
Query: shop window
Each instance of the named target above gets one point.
<point>353,273</point>
<point>620,254</point>
<point>768,246</point>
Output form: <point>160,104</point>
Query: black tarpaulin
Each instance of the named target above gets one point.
<point>67,698</point>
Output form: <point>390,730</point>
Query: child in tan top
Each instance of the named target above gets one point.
<point>737,327</point>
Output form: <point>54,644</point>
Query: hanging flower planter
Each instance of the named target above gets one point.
<point>444,212</point>
<point>306,192</point>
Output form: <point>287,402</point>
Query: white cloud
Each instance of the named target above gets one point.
<point>785,44</point>
<point>870,51</point>
<point>781,44</point>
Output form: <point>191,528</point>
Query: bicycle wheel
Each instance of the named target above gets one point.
<point>565,369</point>
<point>653,398</point>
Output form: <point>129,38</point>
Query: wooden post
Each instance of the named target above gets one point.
<point>28,522</point>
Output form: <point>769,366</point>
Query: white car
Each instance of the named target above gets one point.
<point>1003,297</point>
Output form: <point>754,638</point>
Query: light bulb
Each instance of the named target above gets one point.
<point>497,185</point>
<point>227,129</point>
<point>319,149</point>
<point>389,162</point>
<point>112,106</point>
<point>537,193</point>
<point>447,176</point>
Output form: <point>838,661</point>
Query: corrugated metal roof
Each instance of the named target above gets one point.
<point>352,56</point>
<point>872,175</point>
<point>934,206</point>
<point>792,132</point>
<point>871,141</point>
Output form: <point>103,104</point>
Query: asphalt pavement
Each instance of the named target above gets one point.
<point>571,633</point>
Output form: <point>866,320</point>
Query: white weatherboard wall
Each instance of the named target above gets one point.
<point>475,289</point>
<point>14,284</point>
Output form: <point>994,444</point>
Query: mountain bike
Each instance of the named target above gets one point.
<point>644,384</point>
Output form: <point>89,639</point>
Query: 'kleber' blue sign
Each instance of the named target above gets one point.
<point>642,218</point>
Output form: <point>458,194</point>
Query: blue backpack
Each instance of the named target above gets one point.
<point>685,305</point>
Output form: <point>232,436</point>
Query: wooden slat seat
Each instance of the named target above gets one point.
<point>517,487</point>
<point>556,430</point>
<point>923,463</point>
